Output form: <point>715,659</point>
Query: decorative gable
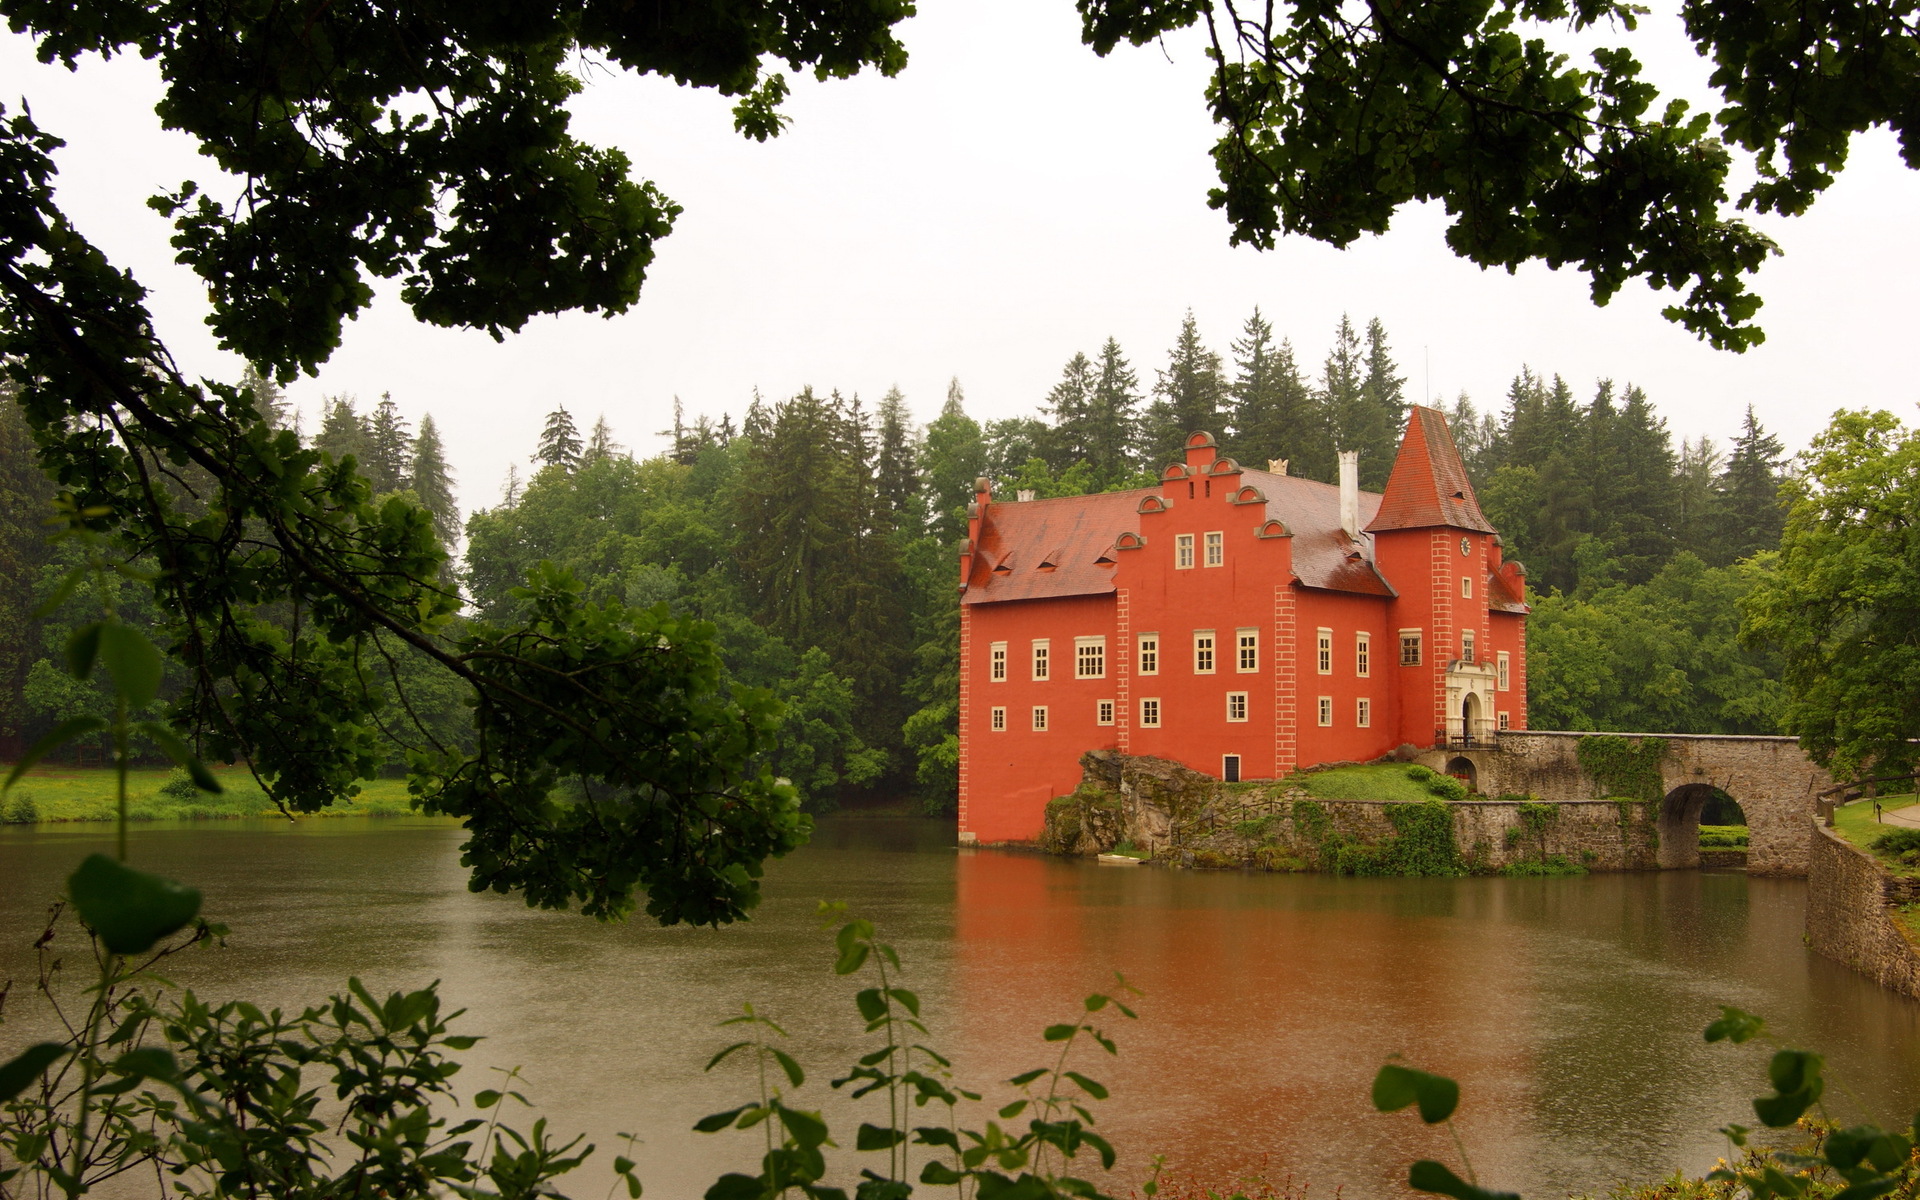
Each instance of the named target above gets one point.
<point>1154,504</point>
<point>1274,529</point>
<point>1224,466</point>
<point>1129,541</point>
<point>1249,495</point>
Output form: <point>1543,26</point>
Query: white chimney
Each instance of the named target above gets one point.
<point>1024,495</point>
<point>1350,493</point>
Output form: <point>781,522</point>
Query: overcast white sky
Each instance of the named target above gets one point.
<point>1008,200</point>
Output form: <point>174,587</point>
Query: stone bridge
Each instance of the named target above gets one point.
<point>1770,777</point>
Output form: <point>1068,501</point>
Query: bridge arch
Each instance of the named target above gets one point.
<point>1772,780</point>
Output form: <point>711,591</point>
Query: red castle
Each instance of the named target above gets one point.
<point>1244,623</point>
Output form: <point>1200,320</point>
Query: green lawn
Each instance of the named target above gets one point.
<point>1375,781</point>
<point>57,793</point>
<point>1855,823</point>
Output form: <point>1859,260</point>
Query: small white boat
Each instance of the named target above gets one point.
<point>1120,860</point>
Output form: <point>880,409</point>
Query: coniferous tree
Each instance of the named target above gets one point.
<point>432,482</point>
<point>1696,499</point>
<point>1114,419</point>
<point>388,447</point>
<point>956,456</point>
<point>1641,524</point>
<point>559,441</point>
<point>1382,411</point>
<point>1191,395</point>
<point>1343,398</point>
<point>1476,434</point>
<point>897,464</point>
<point>26,501</point>
<point>1751,515</point>
<point>1069,408</point>
<point>601,446</point>
<point>1274,412</point>
<point>510,491</point>
<point>342,432</point>
<point>268,398</point>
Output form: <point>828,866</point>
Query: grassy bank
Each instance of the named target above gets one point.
<point>1855,823</point>
<point>57,793</point>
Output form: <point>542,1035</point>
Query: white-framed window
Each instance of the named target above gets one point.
<point>1246,650</point>
<point>1236,706</point>
<point>1149,654</point>
<point>1503,721</point>
<point>1466,587</point>
<point>1090,658</point>
<point>1150,714</point>
<point>1502,665</point>
<point>1326,710</point>
<point>1042,658</point>
<point>1182,551</point>
<point>1466,645</point>
<point>1324,653</point>
<point>1216,544</point>
<point>997,662</point>
<point>1203,652</point>
<point>1363,654</point>
<point>1363,713</point>
<point>1039,718</point>
<point>997,720</point>
<point>1103,712</point>
<point>1409,647</point>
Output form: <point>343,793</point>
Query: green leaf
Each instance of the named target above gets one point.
<point>721,1057</point>
<point>1735,1026</point>
<point>54,738</point>
<point>807,1128</point>
<point>735,1186</point>
<point>714,1122</point>
<point>795,1075</point>
<point>134,661</point>
<point>1867,1189</point>
<point>1026,1077</point>
<point>1395,1087</point>
<point>486,1099</point>
<point>175,748</point>
<point>1059,1033</point>
<point>83,646</point>
<point>851,960</point>
<point>871,1004</point>
<point>1013,1110</point>
<point>1429,1176</point>
<point>148,1062</point>
<point>1090,1087</point>
<point>61,593</point>
<point>878,1137</point>
<point>906,999</point>
<point>1096,1002</point>
<point>129,909</point>
<point>19,1073</point>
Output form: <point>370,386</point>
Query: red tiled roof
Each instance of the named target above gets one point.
<point>1429,484</point>
<point>1500,597</point>
<point>1071,532</point>
<point>1075,531</point>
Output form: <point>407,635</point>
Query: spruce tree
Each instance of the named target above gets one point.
<point>268,398</point>
<point>1191,395</point>
<point>388,447</point>
<point>432,483</point>
<point>897,464</point>
<point>601,446</point>
<point>1646,504</point>
<point>1343,399</point>
<point>956,456</point>
<point>1751,515</point>
<point>1697,499</point>
<point>559,441</point>
<point>1113,419</point>
<point>1069,409</point>
<point>1475,434</point>
<point>342,433</point>
<point>1382,411</point>
<point>1275,415</point>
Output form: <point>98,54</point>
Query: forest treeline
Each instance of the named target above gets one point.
<point>819,535</point>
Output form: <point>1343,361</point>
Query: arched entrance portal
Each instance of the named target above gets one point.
<point>1469,720</point>
<point>1463,770</point>
<point>1680,821</point>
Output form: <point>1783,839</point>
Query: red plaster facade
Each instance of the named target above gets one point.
<point>1234,620</point>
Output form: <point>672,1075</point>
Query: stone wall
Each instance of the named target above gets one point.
<point>1182,815</point>
<point>1850,898</point>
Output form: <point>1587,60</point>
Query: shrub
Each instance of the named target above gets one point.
<point>1903,844</point>
<point>1550,866</point>
<point>20,808</point>
<point>180,787</point>
<point>1724,837</point>
<point>1420,774</point>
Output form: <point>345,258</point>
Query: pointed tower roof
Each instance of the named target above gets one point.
<point>1429,483</point>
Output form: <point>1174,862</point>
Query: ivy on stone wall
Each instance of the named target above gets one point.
<point>1422,842</point>
<point>1622,767</point>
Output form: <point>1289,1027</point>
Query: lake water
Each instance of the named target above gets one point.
<point>1569,1009</point>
